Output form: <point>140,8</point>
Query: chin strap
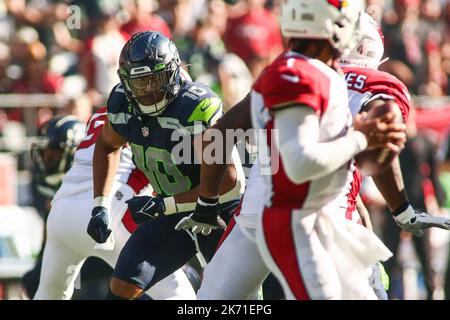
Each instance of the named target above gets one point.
<point>382,61</point>
<point>159,107</point>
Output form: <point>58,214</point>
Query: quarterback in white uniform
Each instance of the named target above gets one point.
<point>246,271</point>
<point>68,245</point>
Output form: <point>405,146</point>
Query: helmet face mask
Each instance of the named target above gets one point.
<point>150,72</point>
<point>52,158</point>
<point>370,49</point>
<point>149,90</point>
<point>53,151</point>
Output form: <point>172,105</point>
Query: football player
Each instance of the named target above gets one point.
<point>67,244</point>
<point>296,89</point>
<point>368,52</point>
<point>147,109</point>
<point>52,154</point>
<point>368,88</point>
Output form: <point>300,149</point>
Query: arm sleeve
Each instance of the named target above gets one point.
<point>304,158</point>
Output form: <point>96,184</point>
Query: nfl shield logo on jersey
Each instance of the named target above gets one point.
<point>145,132</point>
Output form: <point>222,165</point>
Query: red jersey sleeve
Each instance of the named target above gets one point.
<point>283,87</point>
<point>384,84</point>
<point>93,128</point>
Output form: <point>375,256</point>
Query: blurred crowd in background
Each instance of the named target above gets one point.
<point>71,49</point>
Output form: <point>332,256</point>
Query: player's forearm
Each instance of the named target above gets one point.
<point>390,184</point>
<point>238,117</point>
<point>213,171</point>
<point>187,197</point>
<point>211,174</point>
<point>220,179</point>
<point>231,183</point>
<point>363,213</point>
<point>105,163</point>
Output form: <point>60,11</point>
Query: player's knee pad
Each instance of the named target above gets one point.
<point>142,277</point>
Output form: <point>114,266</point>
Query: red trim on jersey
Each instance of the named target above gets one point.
<point>232,222</point>
<point>237,211</point>
<point>277,227</point>
<point>137,180</point>
<point>353,194</point>
<point>227,232</point>
<point>128,222</point>
<point>92,130</point>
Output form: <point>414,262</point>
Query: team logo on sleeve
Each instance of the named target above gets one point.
<point>145,132</point>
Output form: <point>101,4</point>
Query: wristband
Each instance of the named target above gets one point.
<point>400,209</point>
<point>186,207</point>
<point>170,205</point>
<point>406,215</point>
<point>207,202</point>
<point>101,201</point>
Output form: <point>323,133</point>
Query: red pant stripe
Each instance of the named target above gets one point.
<point>280,243</point>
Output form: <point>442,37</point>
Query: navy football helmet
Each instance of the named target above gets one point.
<point>149,70</point>
<point>53,151</point>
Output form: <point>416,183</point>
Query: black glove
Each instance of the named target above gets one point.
<point>145,208</point>
<point>204,219</point>
<point>98,225</point>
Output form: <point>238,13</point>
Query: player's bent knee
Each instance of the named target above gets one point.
<point>125,289</point>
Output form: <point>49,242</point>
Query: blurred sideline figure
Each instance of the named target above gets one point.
<point>52,155</point>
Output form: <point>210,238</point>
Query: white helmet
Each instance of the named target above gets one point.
<point>370,48</point>
<point>333,20</point>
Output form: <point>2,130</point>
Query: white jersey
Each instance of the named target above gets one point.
<point>79,178</point>
<point>295,80</point>
<point>333,189</point>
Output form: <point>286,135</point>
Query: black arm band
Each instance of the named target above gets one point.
<point>401,209</point>
<point>207,201</point>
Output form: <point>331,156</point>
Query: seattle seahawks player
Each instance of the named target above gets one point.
<point>147,109</point>
<point>67,245</point>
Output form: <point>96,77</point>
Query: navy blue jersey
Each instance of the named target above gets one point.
<point>195,108</point>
